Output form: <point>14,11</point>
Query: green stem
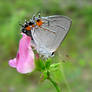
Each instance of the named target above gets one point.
<point>53,82</point>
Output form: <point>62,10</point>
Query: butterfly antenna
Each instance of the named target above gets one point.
<point>26,22</point>
<point>37,13</point>
<point>33,18</point>
<point>21,25</point>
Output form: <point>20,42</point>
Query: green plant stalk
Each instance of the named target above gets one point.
<point>53,82</point>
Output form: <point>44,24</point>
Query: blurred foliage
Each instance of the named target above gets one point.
<point>78,45</point>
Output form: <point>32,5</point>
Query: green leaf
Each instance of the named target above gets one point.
<point>56,73</point>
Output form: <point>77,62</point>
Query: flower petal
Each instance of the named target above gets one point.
<point>25,56</point>
<point>12,63</point>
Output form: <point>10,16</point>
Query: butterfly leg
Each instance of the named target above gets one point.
<point>48,23</point>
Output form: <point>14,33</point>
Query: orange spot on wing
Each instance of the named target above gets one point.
<point>39,23</point>
<point>33,25</point>
<point>28,28</point>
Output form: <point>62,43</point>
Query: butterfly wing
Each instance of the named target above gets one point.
<point>52,32</point>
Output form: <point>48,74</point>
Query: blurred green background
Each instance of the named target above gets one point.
<point>77,46</point>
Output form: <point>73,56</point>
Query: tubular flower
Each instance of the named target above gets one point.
<point>24,61</point>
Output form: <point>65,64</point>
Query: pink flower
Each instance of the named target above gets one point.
<point>24,61</point>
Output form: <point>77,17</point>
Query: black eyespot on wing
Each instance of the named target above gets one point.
<point>52,53</point>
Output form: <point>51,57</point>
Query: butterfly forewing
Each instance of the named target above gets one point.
<point>52,32</point>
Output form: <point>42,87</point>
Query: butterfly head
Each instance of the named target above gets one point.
<point>27,27</point>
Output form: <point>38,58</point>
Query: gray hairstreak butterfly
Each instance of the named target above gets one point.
<point>47,33</point>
